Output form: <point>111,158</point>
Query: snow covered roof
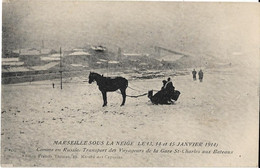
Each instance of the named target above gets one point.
<point>55,55</point>
<point>98,48</point>
<point>102,60</point>
<point>76,65</point>
<point>132,54</point>
<point>16,63</point>
<point>170,58</point>
<point>113,62</point>
<point>50,58</point>
<point>16,69</point>
<point>79,53</point>
<point>78,49</point>
<point>23,50</point>
<point>45,67</point>
<point>10,59</point>
<point>79,65</point>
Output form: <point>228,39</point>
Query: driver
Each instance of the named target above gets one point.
<point>169,90</point>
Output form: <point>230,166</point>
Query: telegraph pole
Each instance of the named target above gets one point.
<point>60,71</point>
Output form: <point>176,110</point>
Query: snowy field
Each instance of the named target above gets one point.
<point>222,109</point>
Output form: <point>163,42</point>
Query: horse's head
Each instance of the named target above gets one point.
<point>91,77</point>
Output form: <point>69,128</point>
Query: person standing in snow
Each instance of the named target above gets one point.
<point>194,74</point>
<point>200,75</point>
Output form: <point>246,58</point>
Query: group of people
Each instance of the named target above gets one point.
<point>168,90</point>
<point>194,73</point>
<point>167,94</point>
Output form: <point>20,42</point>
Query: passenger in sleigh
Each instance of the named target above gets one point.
<point>166,95</point>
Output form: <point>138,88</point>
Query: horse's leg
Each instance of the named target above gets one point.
<point>123,95</point>
<point>104,94</point>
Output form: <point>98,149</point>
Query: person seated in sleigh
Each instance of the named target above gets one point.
<point>167,94</point>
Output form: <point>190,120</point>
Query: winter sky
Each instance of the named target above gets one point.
<point>197,28</point>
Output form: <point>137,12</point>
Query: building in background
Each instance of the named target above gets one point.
<point>77,57</point>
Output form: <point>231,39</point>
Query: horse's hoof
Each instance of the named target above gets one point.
<point>104,105</point>
<point>121,104</point>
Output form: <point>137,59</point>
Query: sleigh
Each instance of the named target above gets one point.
<point>163,98</point>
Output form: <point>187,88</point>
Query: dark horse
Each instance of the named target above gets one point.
<point>107,84</point>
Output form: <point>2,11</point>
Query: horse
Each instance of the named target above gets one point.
<point>108,84</point>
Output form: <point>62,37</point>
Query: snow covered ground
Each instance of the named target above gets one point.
<point>222,109</point>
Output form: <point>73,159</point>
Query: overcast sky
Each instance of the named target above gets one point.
<point>198,28</point>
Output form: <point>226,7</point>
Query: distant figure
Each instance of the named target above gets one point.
<point>200,75</point>
<point>53,85</point>
<point>194,74</point>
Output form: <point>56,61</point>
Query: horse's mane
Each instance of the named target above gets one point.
<point>94,73</point>
<point>106,77</point>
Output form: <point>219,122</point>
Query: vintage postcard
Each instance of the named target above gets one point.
<point>129,84</point>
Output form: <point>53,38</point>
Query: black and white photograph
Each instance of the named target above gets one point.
<point>129,84</point>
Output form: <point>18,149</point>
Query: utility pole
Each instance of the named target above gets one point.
<point>60,71</point>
